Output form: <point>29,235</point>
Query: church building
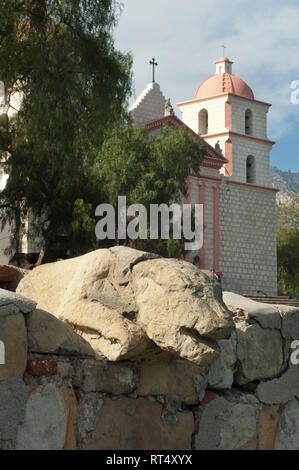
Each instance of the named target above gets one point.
<point>234,182</point>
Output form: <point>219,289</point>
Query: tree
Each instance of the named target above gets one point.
<point>149,171</point>
<point>71,146</point>
<point>288,211</point>
<point>288,259</point>
<point>288,243</point>
<point>75,85</point>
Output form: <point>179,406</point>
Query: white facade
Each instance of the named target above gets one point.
<point>239,202</point>
<point>10,102</point>
<point>149,105</point>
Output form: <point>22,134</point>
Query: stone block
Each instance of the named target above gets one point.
<point>13,335</point>
<point>268,422</point>
<point>176,378</point>
<point>13,396</point>
<point>24,304</point>
<point>48,335</point>
<point>108,377</point>
<point>49,422</point>
<point>41,366</point>
<point>281,389</point>
<point>127,424</point>
<point>228,422</point>
<point>260,353</point>
<point>288,430</point>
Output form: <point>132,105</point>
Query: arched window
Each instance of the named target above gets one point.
<point>248,122</point>
<point>203,122</point>
<point>250,170</point>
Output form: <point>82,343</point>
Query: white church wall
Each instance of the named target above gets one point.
<point>259,116</point>
<point>242,148</point>
<point>216,113</point>
<point>149,105</point>
<point>248,239</point>
<point>206,171</point>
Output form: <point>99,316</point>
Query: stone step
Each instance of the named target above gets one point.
<point>283,300</point>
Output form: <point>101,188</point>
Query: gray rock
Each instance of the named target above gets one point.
<point>108,377</point>
<point>228,422</point>
<point>267,315</point>
<point>207,436</point>
<point>88,411</point>
<point>9,309</point>
<point>13,396</point>
<point>24,304</point>
<point>263,353</point>
<point>290,321</point>
<point>273,316</point>
<point>288,430</point>
<point>201,382</point>
<point>280,390</point>
<point>45,423</point>
<point>48,335</point>
<point>221,372</point>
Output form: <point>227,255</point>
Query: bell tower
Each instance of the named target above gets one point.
<point>226,114</point>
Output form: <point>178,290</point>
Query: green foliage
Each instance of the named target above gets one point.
<point>75,86</point>
<point>288,259</point>
<point>150,171</point>
<point>71,147</point>
<point>288,211</point>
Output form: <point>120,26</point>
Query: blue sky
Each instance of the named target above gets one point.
<point>262,39</point>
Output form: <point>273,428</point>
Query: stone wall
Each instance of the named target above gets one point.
<point>248,256</point>
<point>54,394</point>
<point>247,234</point>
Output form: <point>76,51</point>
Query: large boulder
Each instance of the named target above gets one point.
<point>126,302</point>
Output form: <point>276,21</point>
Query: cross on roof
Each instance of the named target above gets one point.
<point>154,64</point>
<point>223,48</point>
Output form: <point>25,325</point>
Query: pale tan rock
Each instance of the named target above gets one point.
<point>127,424</point>
<point>70,401</point>
<point>121,300</point>
<point>181,309</point>
<point>47,334</point>
<point>13,336</point>
<point>268,422</point>
<point>79,292</point>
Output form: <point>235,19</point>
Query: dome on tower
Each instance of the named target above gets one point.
<point>224,82</point>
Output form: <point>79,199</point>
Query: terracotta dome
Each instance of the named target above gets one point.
<point>224,83</point>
